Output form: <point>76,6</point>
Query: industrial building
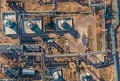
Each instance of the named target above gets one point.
<point>59,40</point>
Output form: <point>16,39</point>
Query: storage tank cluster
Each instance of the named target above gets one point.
<point>55,75</point>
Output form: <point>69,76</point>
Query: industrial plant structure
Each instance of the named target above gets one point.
<point>47,40</point>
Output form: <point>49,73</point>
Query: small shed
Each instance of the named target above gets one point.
<point>28,72</point>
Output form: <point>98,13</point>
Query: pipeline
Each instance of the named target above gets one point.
<point>113,39</point>
<point>73,55</point>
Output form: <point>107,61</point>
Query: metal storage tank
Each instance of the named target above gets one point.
<point>55,75</point>
<point>8,23</point>
<point>28,72</point>
<point>30,25</point>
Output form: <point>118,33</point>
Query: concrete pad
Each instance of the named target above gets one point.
<point>27,30</point>
<point>11,16</point>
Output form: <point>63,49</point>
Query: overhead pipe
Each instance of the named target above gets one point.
<point>74,55</point>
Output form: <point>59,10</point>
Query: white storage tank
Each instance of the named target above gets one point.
<point>55,75</point>
<point>30,25</point>
<point>8,23</point>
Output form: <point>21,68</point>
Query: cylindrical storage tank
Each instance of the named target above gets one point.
<point>28,72</point>
<point>30,25</point>
<point>55,76</point>
<point>8,23</point>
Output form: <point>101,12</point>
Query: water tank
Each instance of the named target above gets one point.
<point>87,74</point>
<point>55,75</point>
<point>8,23</point>
<point>30,25</point>
<point>28,72</point>
<point>88,77</point>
